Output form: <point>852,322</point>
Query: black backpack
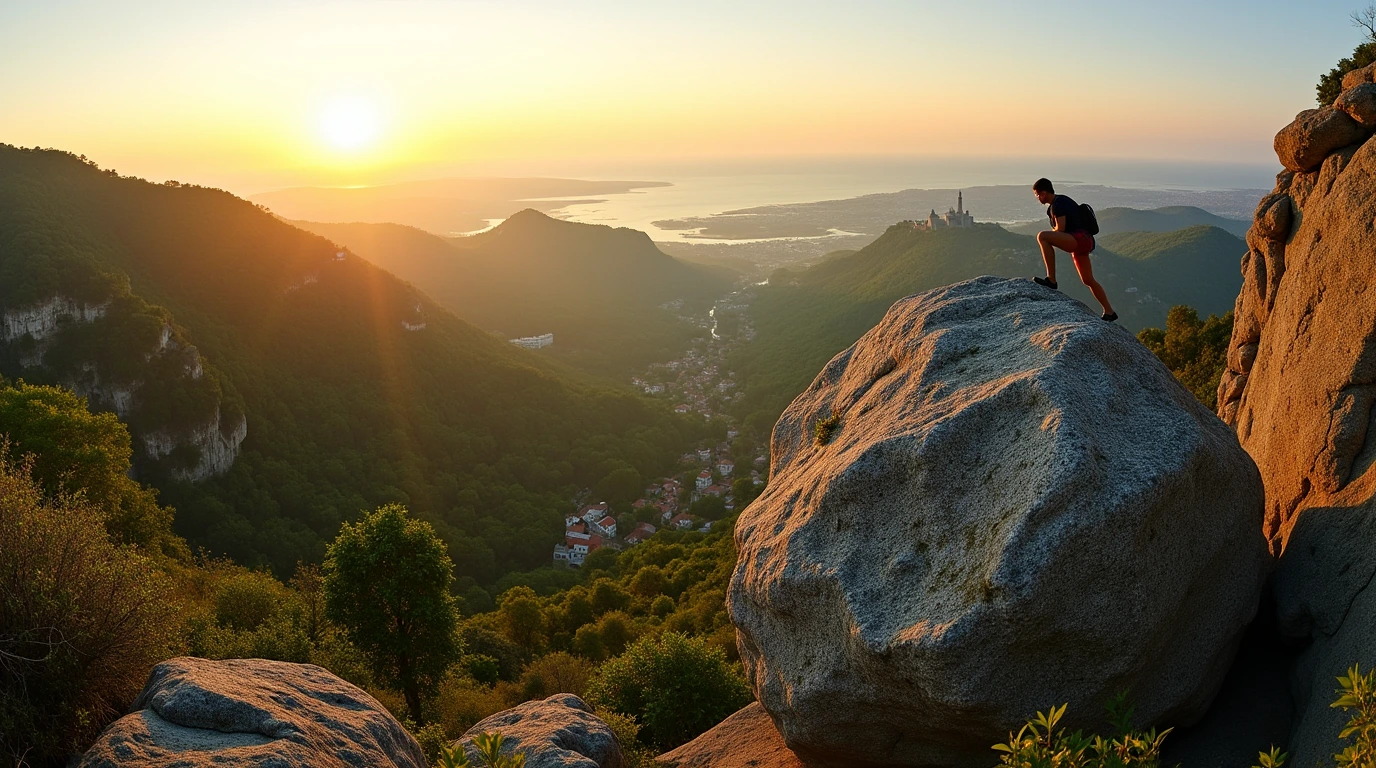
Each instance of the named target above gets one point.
<point>1088,220</point>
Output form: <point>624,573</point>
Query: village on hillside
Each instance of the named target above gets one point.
<point>698,382</point>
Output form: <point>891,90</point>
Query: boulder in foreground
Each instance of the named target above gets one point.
<point>746,739</point>
<point>1020,508</point>
<point>252,712</point>
<point>558,732</point>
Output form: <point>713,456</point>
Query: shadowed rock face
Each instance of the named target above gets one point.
<point>251,712</point>
<point>1300,389</point>
<point>1021,507</point>
<point>559,732</point>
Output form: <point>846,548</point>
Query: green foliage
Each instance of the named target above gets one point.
<point>634,754</point>
<point>346,410</point>
<point>558,672</point>
<point>489,748</point>
<point>1273,759</point>
<point>676,687</point>
<point>1195,350</point>
<point>434,743</point>
<point>825,428</point>
<point>535,274</point>
<point>1330,85</point>
<point>1358,693</point>
<point>1041,743</point>
<point>82,620</point>
<point>76,451</point>
<point>387,584</point>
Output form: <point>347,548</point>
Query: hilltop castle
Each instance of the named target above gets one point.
<point>954,217</point>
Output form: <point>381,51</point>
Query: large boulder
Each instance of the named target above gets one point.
<point>1300,389</point>
<point>1020,508</point>
<point>1303,144</point>
<point>558,732</point>
<point>746,739</point>
<point>251,712</point>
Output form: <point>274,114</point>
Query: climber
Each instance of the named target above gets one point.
<point>1067,233</point>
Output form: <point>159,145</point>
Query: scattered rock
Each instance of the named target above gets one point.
<point>559,732</point>
<point>1359,103</point>
<point>251,712</point>
<point>1021,508</point>
<point>747,739</point>
<point>1356,77</point>
<point>1303,144</point>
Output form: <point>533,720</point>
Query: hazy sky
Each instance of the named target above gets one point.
<point>252,95</point>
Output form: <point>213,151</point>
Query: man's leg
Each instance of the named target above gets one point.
<point>1087,277</point>
<point>1048,241</point>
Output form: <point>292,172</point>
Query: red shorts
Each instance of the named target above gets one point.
<point>1083,245</point>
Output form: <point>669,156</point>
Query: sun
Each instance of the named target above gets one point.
<point>349,125</point>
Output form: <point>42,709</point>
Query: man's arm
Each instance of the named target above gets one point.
<point>1060,224</point>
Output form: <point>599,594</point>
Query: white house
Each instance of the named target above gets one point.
<point>724,466</point>
<point>704,480</point>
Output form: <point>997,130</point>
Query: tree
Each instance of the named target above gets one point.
<point>387,584</point>
<point>1194,350</point>
<point>1331,84</point>
<point>82,620</point>
<point>675,686</point>
<point>76,451</point>
<point>521,618</point>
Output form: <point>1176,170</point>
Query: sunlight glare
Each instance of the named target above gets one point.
<point>349,124</point>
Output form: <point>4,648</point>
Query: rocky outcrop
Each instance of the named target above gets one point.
<point>1303,145</point>
<point>1300,389</point>
<point>747,739</point>
<point>169,369</point>
<point>1020,507</point>
<point>558,732</point>
<point>216,442</point>
<point>251,712</point>
<point>42,320</point>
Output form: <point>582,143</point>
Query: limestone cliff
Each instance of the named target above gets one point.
<point>127,357</point>
<point>1300,389</point>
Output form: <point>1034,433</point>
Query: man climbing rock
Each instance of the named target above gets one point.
<point>1068,232</point>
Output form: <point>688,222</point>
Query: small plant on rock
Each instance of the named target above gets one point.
<point>1358,693</point>
<point>823,430</point>
<point>489,751</point>
<point>1273,759</point>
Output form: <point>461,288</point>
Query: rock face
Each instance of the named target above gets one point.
<point>251,712</point>
<point>1300,389</point>
<point>746,739</point>
<point>1021,507</point>
<point>559,732</point>
<point>1302,145</point>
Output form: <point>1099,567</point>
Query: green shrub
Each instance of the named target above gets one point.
<point>1042,744</point>
<point>823,430</point>
<point>82,620</point>
<point>489,747</point>
<point>433,742</point>
<point>633,753</point>
<point>676,687</point>
<point>559,672</point>
<point>1358,693</point>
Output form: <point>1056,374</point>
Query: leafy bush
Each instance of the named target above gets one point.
<point>559,672</point>
<point>1042,744</point>
<point>82,620</point>
<point>387,585</point>
<point>489,747</point>
<point>1331,83</point>
<point>676,687</point>
<point>1195,350</point>
<point>633,753</point>
<point>1358,693</point>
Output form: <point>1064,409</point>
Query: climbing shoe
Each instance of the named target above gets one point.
<point>1111,317</point>
<point>1046,282</point>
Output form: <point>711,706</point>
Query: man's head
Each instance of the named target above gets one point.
<point>1044,191</point>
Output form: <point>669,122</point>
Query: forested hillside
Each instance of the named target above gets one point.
<point>357,389</point>
<point>805,317</point>
<point>601,291</point>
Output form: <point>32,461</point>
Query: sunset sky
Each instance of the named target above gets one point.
<point>255,95</point>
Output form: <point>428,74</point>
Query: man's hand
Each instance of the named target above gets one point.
<point>1060,224</point>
